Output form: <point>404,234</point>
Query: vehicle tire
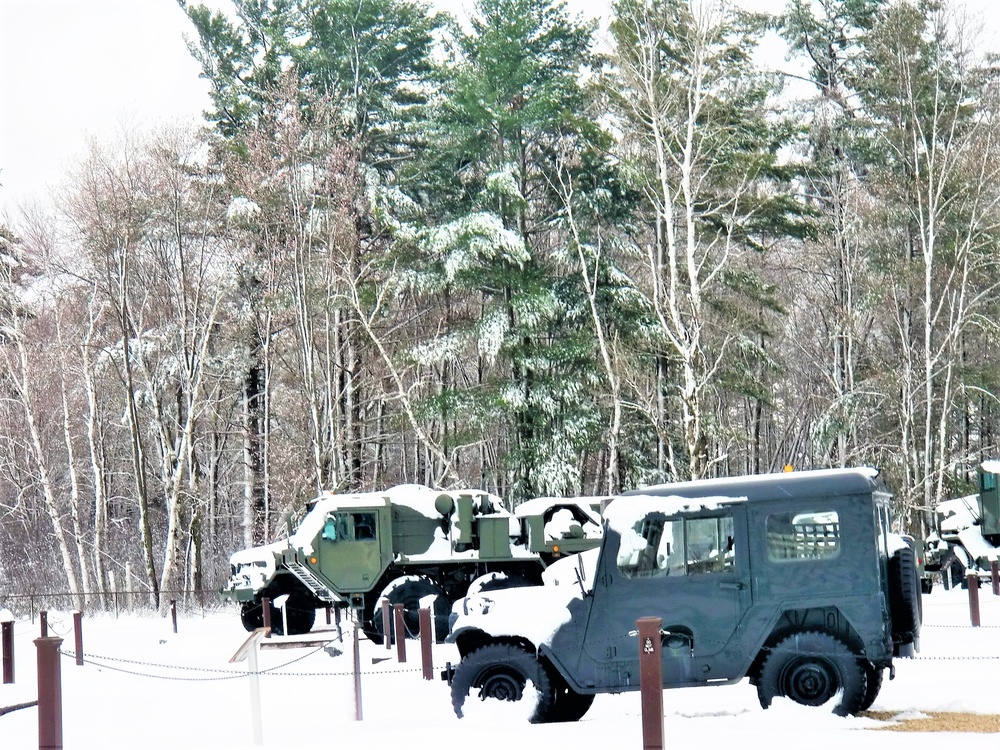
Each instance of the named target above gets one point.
<point>810,668</point>
<point>567,704</point>
<point>904,596</point>
<point>252,615</point>
<point>501,671</point>
<point>408,591</point>
<point>301,616</point>
<point>873,684</point>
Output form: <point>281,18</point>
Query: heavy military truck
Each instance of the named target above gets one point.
<point>406,543</point>
<point>792,580</point>
<point>967,539</point>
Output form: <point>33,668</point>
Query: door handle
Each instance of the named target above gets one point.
<point>736,586</point>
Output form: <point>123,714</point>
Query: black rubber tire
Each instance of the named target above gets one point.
<point>873,684</point>
<point>252,615</point>
<point>501,671</point>
<point>568,705</point>
<point>904,596</point>
<point>409,595</point>
<point>301,616</point>
<point>810,668</point>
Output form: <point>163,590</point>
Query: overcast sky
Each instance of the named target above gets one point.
<point>75,69</point>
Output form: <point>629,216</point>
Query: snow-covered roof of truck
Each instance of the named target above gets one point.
<point>817,482</point>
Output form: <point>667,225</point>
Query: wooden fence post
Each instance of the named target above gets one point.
<point>973,582</point>
<point>78,637</point>
<point>651,682</point>
<point>426,639</point>
<point>400,631</point>
<point>7,629</point>
<point>49,694</point>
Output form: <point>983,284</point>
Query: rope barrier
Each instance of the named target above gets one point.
<point>105,662</point>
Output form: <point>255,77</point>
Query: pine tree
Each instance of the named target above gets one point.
<point>516,355</point>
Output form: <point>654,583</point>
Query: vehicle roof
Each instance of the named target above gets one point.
<point>791,484</point>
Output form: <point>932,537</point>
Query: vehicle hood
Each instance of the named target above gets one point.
<point>531,612</point>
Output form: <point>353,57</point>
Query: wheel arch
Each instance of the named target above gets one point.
<point>829,620</point>
<point>470,639</point>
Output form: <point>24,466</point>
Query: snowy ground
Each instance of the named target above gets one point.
<point>146,687</point>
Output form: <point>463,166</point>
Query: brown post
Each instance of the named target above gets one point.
<point>386,624</point>
<point>357,675</point>
<point>49,694</point>
<point>78,637</point>
<point>651,682</point>
<point>173,613</point>
<point>43,618</point>
<point>400,633</point>
<point>996,577</point>
<point>7,629</point>
<point>266,604</point>
<point>973,582</point>
<point>327,608</point>
<point>426,637</point>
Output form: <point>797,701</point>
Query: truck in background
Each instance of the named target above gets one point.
<point>967,539</point>
<point>404,544</point>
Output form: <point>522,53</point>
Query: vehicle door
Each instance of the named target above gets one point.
<point>349,549</point>
<point>692,572</point>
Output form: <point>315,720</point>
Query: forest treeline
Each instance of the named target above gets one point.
<point>524,254</point>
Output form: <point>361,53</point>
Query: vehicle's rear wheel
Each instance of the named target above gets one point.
<point>873,684</point>
<point>501,672</point>
<point>408,591</point>
<point>904,596</point>
<point>811,668</point>
<point>568,705</point>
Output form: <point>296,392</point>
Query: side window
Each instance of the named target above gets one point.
<point>336,528</point>
<point>803,536</point>
<point>345,527</point>
<point>656,547</point>
<point>364,526</point>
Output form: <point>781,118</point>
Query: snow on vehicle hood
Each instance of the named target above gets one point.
<point>960,513</point>
<point>564,572</point>
<point>532,612</point>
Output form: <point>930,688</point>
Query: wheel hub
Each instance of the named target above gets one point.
<point>809,683</point>
<point>501,686</point>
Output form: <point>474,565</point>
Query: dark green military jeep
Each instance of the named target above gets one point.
<point>792,580</point>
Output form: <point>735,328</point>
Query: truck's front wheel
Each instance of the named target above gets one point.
<point>252,615</point>
<point>502,672</point>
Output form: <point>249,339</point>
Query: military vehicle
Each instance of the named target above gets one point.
<point>793,580</point>
<point>404,544</point>
<point>967,539</point>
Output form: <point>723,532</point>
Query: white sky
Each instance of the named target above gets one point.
<point>71,70</point>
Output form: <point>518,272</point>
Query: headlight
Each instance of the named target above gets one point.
<point>476,605</point>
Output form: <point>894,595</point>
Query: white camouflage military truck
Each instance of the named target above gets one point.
<point>353,550</point>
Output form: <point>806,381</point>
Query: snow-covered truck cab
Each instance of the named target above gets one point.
<point>792,580</point>
<point>402,545</point>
